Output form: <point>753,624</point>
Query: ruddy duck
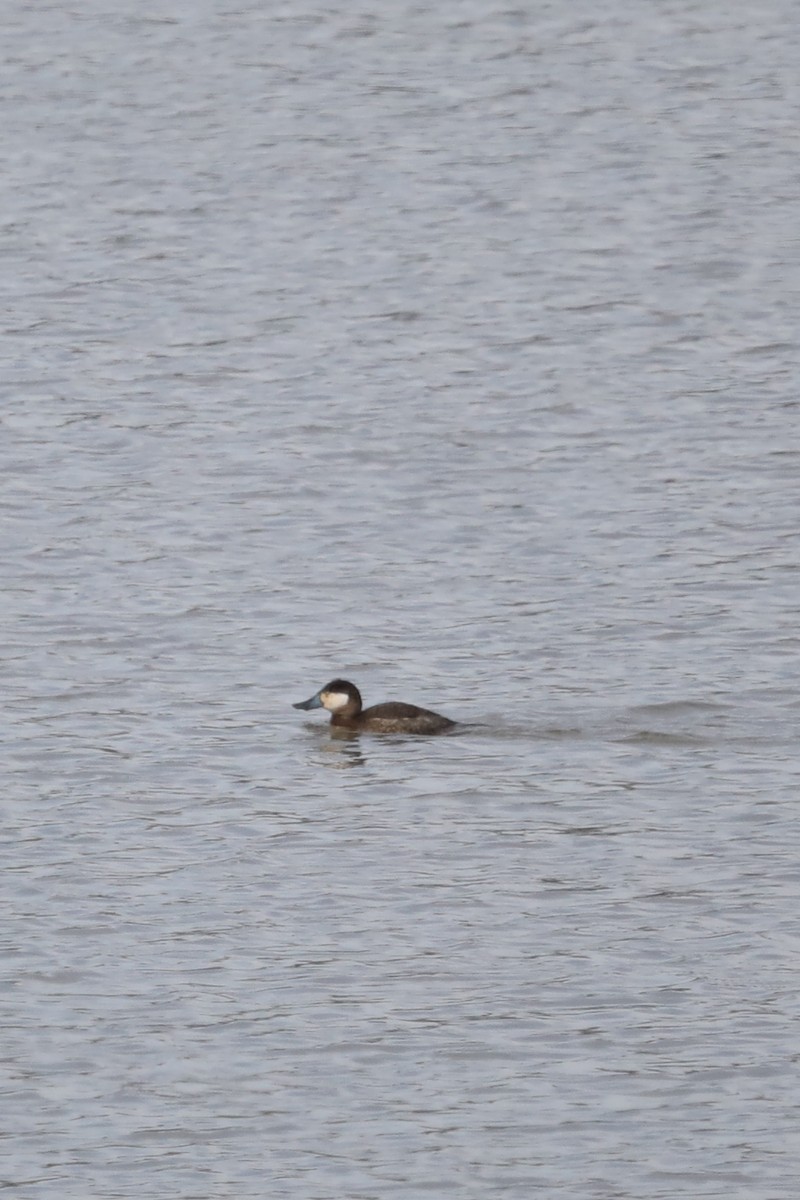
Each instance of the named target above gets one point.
<point>343,701</point>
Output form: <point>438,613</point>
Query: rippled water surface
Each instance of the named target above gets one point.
<point>451,349</point>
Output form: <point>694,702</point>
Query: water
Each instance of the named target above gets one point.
<point>452,351</point>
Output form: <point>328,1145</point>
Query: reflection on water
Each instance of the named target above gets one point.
<point>452,349</point>
<point>342,748</point>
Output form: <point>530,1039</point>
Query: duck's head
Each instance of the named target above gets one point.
<point>336,696</point>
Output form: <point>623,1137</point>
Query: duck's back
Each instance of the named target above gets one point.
<point>394,715</point>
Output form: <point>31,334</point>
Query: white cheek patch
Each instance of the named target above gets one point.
<point>333,701</point>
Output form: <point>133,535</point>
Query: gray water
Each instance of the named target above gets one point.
<point>452,349</point>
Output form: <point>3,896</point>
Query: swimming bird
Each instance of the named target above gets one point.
<point>343,701</point>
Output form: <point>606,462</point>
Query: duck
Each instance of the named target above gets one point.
<point>343,701</point>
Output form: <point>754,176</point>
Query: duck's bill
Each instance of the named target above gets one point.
<point>314,702</point>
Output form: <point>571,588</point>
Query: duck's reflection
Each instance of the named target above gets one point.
<point>342,749</point>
